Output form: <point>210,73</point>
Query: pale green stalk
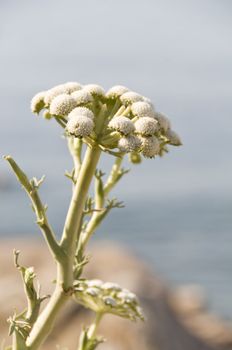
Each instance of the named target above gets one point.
<point>100,196</point>
<point>93,328</point>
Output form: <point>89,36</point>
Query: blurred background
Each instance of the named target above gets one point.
<point>178,53</point>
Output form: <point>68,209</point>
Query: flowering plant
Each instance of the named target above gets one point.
<point>117,122</point>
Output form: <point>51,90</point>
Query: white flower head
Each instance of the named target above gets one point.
<point>146,126</point>
<point>129,143</point>
<point>83,111</point>
<point>94,89</point>
<point>82,97</point>
<point>80,126</point>
<point>122,124</point>
<point>174,138</point>
<point>71,87</point>
<point>116,91</point>
<point>62,105</point>
<point>52,93</point>
<point>130,97</point>
<point>164,122</point>
<point>37,102</point>
<point>150,146</point>
<point>142,109</point>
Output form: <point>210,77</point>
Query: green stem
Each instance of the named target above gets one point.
<point>75,148</point>
<point>93,328</point>
<point>112,179</point>
<point>97,217</point>
<point>69,238</point>
<point>38,207</point>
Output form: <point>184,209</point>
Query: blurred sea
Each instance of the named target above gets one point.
<point>179,54</point>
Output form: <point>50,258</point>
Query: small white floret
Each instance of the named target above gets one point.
<point>62,105</point>
<point>130,97</point>
<point>109,301</point>
<point>37,102</point>
<point>52,93</point>
<point>81,111</point>
<point>146,126</point>
<point>129,143</point>
<point>174,138</point>
<point>122,124</point>
<point>150,146</point>
<point>111,285</point>
<point>163,121</point>
<point>142,109</point>
<point>92,291</point>
<point>147,100</point>
<point>82,97</point>
<point>116,91</point>
<point>79,126</point>
<point>71,87</point>
<point>94,89</point>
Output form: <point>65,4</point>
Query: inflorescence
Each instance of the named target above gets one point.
<point>117,119</point>
<point>106,298</point>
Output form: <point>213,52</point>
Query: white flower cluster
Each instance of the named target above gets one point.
<point>80,122</point>
<point>107,298</point>
<point>129,115</point>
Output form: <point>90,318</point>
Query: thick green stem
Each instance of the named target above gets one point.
<point>69,238</point>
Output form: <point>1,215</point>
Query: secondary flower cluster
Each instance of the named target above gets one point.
<point>118,118</point>
<point>107,298</point>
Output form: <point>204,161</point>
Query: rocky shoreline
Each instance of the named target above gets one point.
<point>176,319</point>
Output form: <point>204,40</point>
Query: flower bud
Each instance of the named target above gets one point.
<point>130,97</point>
<point>82,97</point>
<point>146,126</point>
<point>129,143</point>
<point>62,105</point>
<point>116,91</point>
<point>94,89</point>
<point>163,121</point>
<point>83,111</point>
<point>142,109</point>
<point>135,158</point>
<point>37,102</point>
<point>150,146</point>
<point>79,126</point>
<point>174,138</point>
<point>122,124</point>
